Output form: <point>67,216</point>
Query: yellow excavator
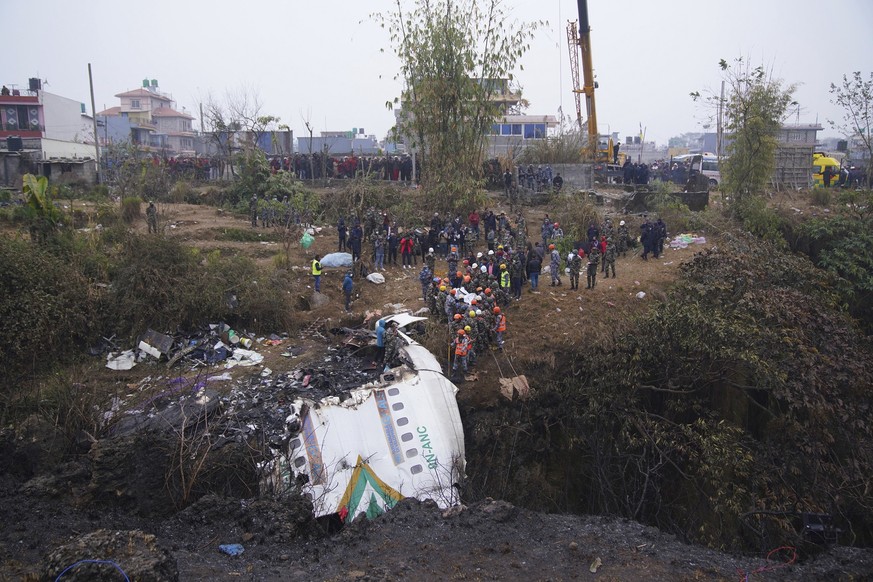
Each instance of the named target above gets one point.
<point>598,148</point>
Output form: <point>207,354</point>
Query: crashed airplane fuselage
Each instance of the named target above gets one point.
<point>399,436</point>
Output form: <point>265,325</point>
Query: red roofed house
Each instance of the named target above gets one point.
<point>154,123</point>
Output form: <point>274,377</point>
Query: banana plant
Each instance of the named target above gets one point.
<point>45,216</point>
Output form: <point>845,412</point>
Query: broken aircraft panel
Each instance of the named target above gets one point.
<point>399,436</point>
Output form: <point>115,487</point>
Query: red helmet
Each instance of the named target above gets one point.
<point>496,310</point>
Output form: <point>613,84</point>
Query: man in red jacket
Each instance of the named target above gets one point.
<point>473,219</point>
<point>406,244</point>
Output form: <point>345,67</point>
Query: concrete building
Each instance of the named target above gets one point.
<point>151,120</point>
<point>44,133</point>
<point>514,129</point>
<point>60,125</point>
<point>340,143</point>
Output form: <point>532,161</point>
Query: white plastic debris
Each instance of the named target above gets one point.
<point>150,350</point>
<point>377,278</point>
<point>337,260</point>
<point>243,357</point>
<point>641,295</point>
<point>123,361</point>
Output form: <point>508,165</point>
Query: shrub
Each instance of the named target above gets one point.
<point>760,220</point>
<point>45,307</point>
<point>575,216</point>
<point>158,283</point>
<point>820,197</point>
<point>161,284</point>
<point>182,191</point>
<point>670,207</point>
<point>131,209</point>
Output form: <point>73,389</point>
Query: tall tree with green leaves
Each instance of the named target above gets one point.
<point>753,111</point>
<point>452,56</point>
<point>855,95</point>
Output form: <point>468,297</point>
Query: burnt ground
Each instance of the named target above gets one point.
<point>110,503</point>
<point>487,540</point>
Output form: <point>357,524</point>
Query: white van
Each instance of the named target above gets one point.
<point>706,164</point>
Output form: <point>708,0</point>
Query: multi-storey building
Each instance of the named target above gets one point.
<point>148,119</point>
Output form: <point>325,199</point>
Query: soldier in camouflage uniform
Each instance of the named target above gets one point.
<point>480,331</point>
<point>369,223</point>
<point>609,258</point>
<point>430,260</point>
<point>253,210</point>
<point>516,276</point>
<point>593,262</point>
<point>456,323</point>
<point>452,260</point>
<point>623,239</point>
<point>425,277</point>
<point>440,301</point>
<point>607,229</point>
<point>450,305</point>
<point>520,223</point>
<point>264,212</point>
<point>392,343</point>
<point>555,266</point>
<point>152,218</point>
<point>575,262</point>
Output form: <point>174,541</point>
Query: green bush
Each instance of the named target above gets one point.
<point>574,217</point>
<point>760,220</point>
<point>158,283</point>
<point>820,197</point>
<point>46,309</point>
<point>164,285</point>
<point>182,191</point>
<point>131,209</point>
<point>664,203</point>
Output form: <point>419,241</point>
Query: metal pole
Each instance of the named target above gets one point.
<point>94,120</point>
<point>720,135</point>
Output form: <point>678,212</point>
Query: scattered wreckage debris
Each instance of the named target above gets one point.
<point>515,388</point>
<point>353,435</point>
<point>203,348</point>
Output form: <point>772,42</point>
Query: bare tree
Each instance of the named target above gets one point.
<point>855,95</point>
<point>236,121</point>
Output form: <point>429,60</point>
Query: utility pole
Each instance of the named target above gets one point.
<point>719,136</point>
<point>94,120</point>
<point>311,164</point>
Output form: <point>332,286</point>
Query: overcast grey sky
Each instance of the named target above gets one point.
<point>321,60</point>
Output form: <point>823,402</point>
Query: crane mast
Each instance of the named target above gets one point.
<point>581,38</point>
<point>573,46</point>
<point>587,71</point>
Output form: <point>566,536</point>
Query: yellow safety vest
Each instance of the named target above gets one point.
<point>316,267</point>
